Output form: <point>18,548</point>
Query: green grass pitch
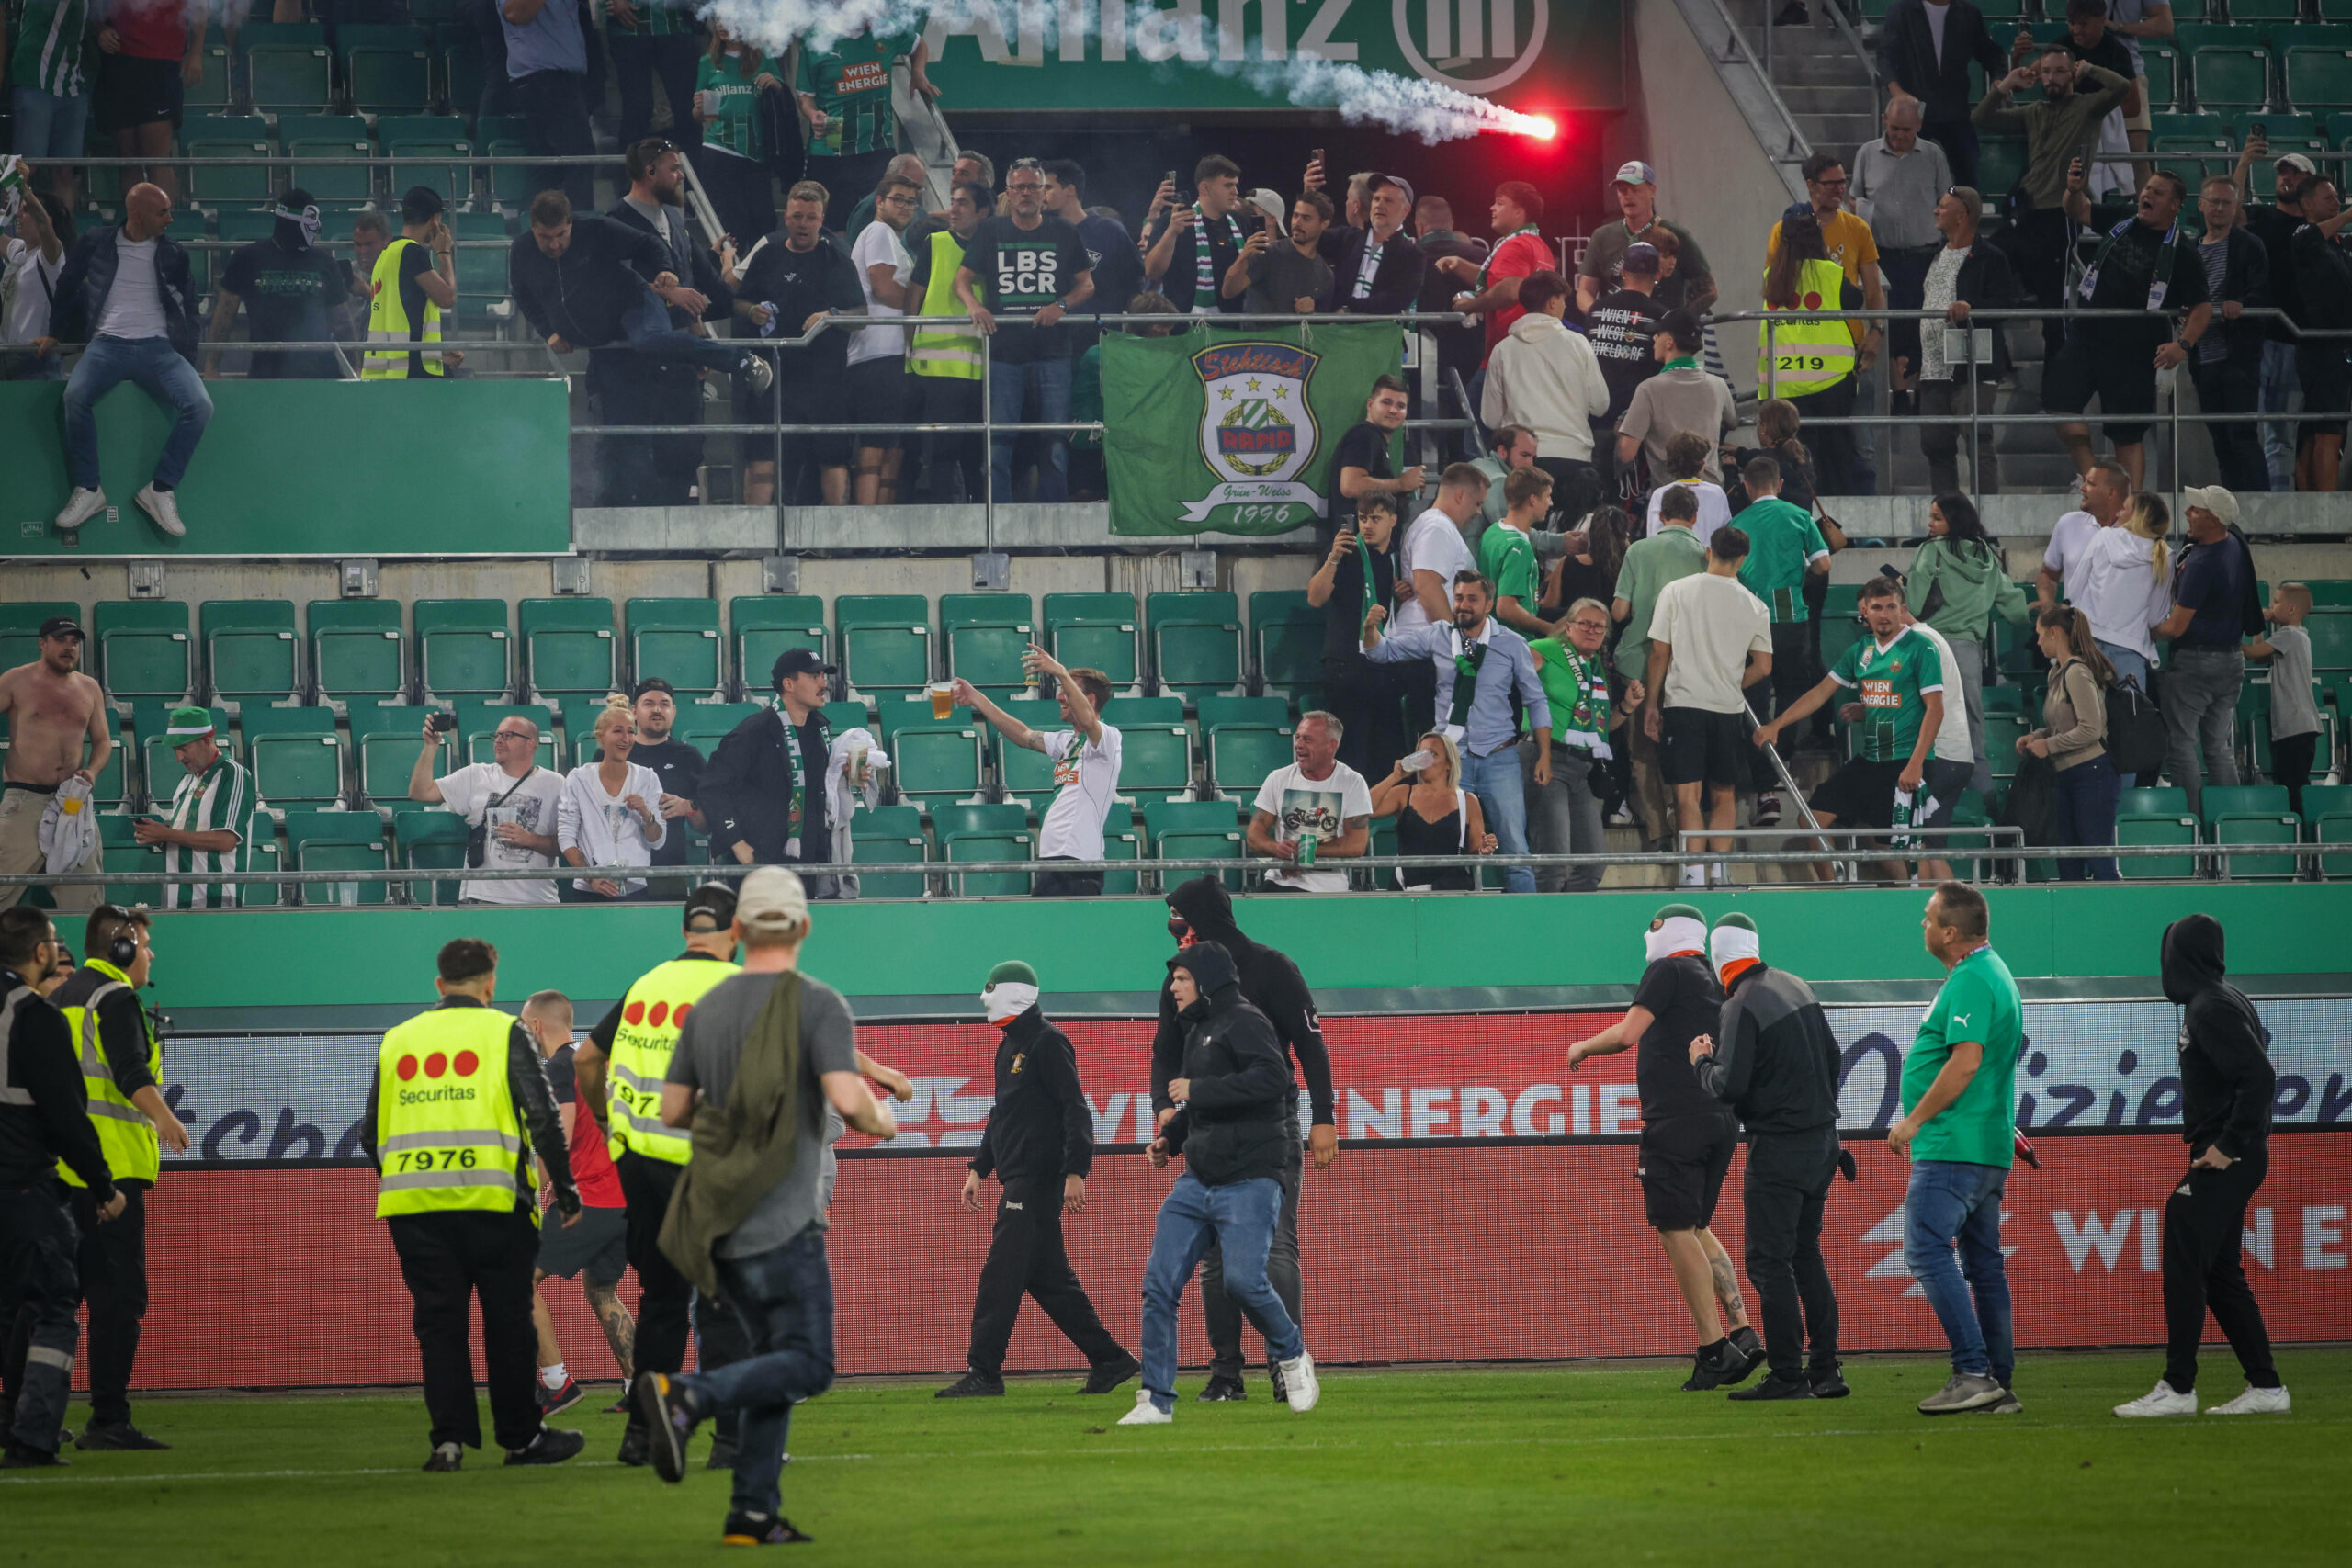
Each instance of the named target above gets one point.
<point>1455,1467</point>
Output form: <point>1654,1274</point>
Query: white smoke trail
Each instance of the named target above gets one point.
<point>1408,106</point>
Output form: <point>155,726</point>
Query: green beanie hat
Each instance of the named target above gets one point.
<point>1011,969</point>
<point>1678,912</point>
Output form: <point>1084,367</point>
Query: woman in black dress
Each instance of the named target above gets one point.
<point>1435,815</point>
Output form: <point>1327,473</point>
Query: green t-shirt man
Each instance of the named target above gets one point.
<point>851,82</point>
<point>1508,558</point>
<point>1672,553</point>
<point>1894,681</point>
<point>731,99</point>
<point>1979,1001</point>
<point>1782,541</point>
<point>46,47</point>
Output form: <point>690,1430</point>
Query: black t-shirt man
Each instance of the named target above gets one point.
<point>1343,612</point>
<point>1364,446</point>
<point>2126,274</point>
<point>679,767</point>
<point>1620,330</point>
<point>1019,271</point>
<point>1685,1002</point>
<point>1118,267</point>
<point>800,284</point>
<point>290,296</point>
<point>2275,230</point>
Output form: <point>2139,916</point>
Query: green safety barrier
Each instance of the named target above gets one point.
<point>330,468</point>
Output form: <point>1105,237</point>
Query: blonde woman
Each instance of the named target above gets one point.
<point>604,816</point>
<point>2127,586</point>
<point>1435,815</point>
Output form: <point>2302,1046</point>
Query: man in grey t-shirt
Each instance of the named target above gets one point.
<point>772,1267</point>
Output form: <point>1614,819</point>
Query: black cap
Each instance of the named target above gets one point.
<point>712,899</point>
<point>64,626</point>
<point>799,661</point>
<point>650,683</point>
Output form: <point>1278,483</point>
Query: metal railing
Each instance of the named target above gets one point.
<point>1799,147</point>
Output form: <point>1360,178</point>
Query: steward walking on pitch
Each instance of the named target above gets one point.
<point>458,1101</point>
<point>1774,1061</point>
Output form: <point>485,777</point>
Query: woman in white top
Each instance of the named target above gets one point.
<point>2127,586</point>
<point>606,817</point>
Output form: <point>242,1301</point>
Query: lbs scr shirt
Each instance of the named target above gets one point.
<point>1018,271</point>
<point>1979,1001</point>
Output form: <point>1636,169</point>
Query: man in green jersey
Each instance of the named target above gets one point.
<point>1507,553</point>
<point>1672,553</point>
<point>1898,676</point>
<point>44,60</point>
<point>1959,1097</point>
<point>1784,548</point>
<point>845,93</point>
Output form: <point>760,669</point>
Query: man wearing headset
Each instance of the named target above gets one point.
<point>122,1064</point>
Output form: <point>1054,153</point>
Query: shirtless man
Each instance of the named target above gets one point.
<point>51,707</point>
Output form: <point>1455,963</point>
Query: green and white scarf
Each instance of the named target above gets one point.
<point>1507,239</point>
<point>799,765</point>
<point>1467,658</point>
<point>1203,263</point>
<point>1586,724</point>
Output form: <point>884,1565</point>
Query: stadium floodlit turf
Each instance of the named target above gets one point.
<point>1449,1466</point>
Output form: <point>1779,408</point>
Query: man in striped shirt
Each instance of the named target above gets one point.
<point>43,43</point>
<point>212,819</point>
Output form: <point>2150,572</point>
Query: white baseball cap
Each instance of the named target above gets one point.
<point>1635,173</point>
<point>2212,499</point>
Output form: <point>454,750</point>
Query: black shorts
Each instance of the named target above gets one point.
<point>1705,746</point>
<point>1682,1164</point>
<point>2327,385</point>
<point>136,91</point>
<point>599,1244</point>
<point>1943,780</point>
<point>2121,375</point>
<point>821,398</point>
<point>877,394</point>
<point>1861,794</point>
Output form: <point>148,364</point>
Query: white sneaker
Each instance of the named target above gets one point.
<point>164,506</point>
<point>757,373</point>
<point>1147,1413</point>
<point>1694,876</point>
<point>80,507</point>
<point>2159,1401</point>
<point>1299,1384</point>
<point>1718,874</point>
<point>2253,1402</point>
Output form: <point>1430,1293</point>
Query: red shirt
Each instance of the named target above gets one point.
<point>592,1163</point>
<point>154,30</point>
<point>1521,255</point>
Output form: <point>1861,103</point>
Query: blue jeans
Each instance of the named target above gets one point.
<point>2087,794</point>
<point>650,331</point>
<point>1952,1201</point>
<point>2278,392</point>
<point>785,1300</point>
<point>1010,387</point>
<point>49,129</point>
<point>1495,779</point>
<point>2129,664</point>
<point>162,375</point>
<point>1239,1217</point>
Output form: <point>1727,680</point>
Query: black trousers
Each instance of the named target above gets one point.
<point>2039,249</point>
<point>1836,461</point>
<point>1220,1312</point>
<point>555,103</point>
<point>957,466</point>
<point>38,1245</point>
<point>1067,884</point>
<point>1907,289</point>
<point>1026,1256</point>
<point>1958,139</point>
<point>742,192</point>
<point>666,1308</point>
<point>1786,1189</point>
<point>1370,702</point>
<point>2291,759</point>
<point>113,1266</point>
<point>636,63</point>
<point>645,470</point>
<point>2204,1230</point>
<point>449,1260</point>
<point>1792,678</point>
<point>2233,386</point>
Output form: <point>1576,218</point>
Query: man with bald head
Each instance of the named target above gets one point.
<point>125,288</point>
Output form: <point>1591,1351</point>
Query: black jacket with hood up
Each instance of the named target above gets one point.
<point>1269,982</point>
<point>1230,1127</point>
<point>2226,1078</point>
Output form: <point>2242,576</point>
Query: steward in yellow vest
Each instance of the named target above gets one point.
<point>413,282</point>
<point>459,1102</point>
<point>122,1066</point>
<point>948,359</point>
<point>1799,357</point>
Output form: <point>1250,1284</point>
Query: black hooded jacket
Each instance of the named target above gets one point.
<point>2226,1078</point>
<point>1230,1127</point>
<point>1039,1128</point>
<point>1269,982</point>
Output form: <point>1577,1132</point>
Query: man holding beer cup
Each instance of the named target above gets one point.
<point>1086,767</point>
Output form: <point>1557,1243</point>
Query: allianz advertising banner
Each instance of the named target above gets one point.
<point>1390,62</point>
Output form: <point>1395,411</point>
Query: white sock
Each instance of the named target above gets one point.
<point>555,1376</point>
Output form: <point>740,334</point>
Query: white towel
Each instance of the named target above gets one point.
<point>68,839</point>
<point>841,799</point>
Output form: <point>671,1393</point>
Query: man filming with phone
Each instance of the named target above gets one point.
<point>1283,278</point>
<point>1198,245</point>
<point>508,802</point>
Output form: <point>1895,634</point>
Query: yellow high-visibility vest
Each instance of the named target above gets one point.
<point>388,322</point>
<point>938,351</point>
<point>447,1135</point>
<point>1797,357</point>
<point>651,1016</point>
<point>126,1137</point>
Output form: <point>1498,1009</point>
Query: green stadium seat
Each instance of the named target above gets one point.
<point>1244,739</point>
<point>464,72</point>
<point>1192,830</point>
<point>1095,630</point>
<point>481,273</point>
<point>762,626</point>
<point>1026,777</point>
<point>1838,633</point>
<point>263,854</point>
<point>2331,635</point>
<point>1125,711</point>
<point>888,835</point>
<point>2327,819</point>
<point>2326,592</point>
<point>2156,828</point>
<point>983,816</point>
<point>567,644</point>
<point>2002,731</point>
<point>244,227</point>
<point>250,649</point>
<point>1287,642</point>
<point>578,715</point>
<point>357,648</point>
<point>398,79</point>
<point>213,184</point>
<point>333,181</point>
<point>843,715</point>
<point>2243,12</point>
<point>251,35</point>
<point>338,840</point>
<point>288,78</point>
<point>296,756</point>
<point>1156,763</point>
<point>20,628</point>
<point>477,722</point>
<point>2160,60</point>
<point>704,724</point>
<point>127,857</point>
<point>1120,841</point>
<point>143,648</point>
<point>934,760</point>
<point>985,636</point>
<point>391,128</point>
<point>2195,157</point>
<point>2250,814</point>
<point>2000,164</point>
<point>293,128</point>
<point>885,641</point>
<point>463,648</point>
<point>2163,802</point>
<point>436,164</point>
<point>977,844</point>
<point>1196,643</point>
<point>214,88</point>
<point>676,639</point>
<point>432,839</point>
<point>510,183</point>
<point>385,740</point>
<point>2228,68</point>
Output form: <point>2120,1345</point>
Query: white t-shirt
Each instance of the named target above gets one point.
<point>1086,779</point>
<point>1936,18</point>
<point>603,828</point>
<point>1714,508</point>
<point>2068,551</point>
<point>2120,591</point>
<point>1434,543</point>
<point>1714,624</point>
<point>879,247</point>
<point>134,305</point>
<point>533,807</point>
<point>1952,742</point>
<point>1321,806</point>
<point>22,287</point>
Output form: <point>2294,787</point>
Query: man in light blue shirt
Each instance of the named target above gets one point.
<point>1480,718</point>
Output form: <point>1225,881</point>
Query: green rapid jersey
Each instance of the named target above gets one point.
<point>47,47</point>
<point>1979,1001</point>
<point>1782,541</point>
<point>737,125</point>
<point>1508,558</point>
<point>1893,681</point>
<point>851,82</point>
